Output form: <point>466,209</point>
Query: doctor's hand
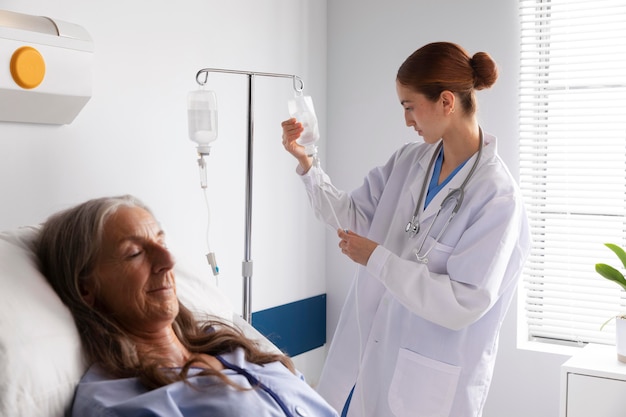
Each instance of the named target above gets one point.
<point>356,247</point>
<point>292,129</point>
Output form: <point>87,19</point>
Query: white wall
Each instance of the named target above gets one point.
<point>132,135</point>
<point>367,43</point>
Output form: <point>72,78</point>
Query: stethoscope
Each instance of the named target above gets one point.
<point>413,227</point>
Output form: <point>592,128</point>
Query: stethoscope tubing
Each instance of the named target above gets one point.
<point>413,227</point>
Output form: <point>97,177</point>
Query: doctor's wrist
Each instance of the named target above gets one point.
<point>306,163</point>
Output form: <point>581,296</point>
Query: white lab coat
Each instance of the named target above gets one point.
<point>420,340</point>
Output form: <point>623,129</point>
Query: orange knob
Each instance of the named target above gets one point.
<point>27,67</point>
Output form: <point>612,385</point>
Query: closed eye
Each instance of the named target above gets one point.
<point>135,254</point>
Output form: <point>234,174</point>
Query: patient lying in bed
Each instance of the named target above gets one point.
<point>148,354</point>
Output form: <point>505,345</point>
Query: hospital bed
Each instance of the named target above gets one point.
<point>40,353</point>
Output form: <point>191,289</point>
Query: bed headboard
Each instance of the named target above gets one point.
<point>40,353</point>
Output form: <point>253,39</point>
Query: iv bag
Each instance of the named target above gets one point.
<point>202,118</point>
<point>301,107</point>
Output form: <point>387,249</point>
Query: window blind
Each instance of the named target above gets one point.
<point>572,124</point>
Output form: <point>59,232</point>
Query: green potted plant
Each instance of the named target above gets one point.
<point>612,274</point>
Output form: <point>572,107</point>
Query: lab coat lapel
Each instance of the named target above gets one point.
<point>425,175</point>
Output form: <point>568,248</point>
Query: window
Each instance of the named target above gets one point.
<point>572,113</point>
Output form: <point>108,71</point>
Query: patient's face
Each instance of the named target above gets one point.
<point>134,275</point>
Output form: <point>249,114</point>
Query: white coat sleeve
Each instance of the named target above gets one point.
<point>487,258</point>
<point>327,201</point>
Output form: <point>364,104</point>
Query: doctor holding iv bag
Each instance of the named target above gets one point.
<point>439,235</point>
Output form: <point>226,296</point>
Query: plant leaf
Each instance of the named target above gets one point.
<point>611,274</point>
<point>621,254</point>
<point>606,322</point>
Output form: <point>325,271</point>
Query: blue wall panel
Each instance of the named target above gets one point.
<point>295,327</point>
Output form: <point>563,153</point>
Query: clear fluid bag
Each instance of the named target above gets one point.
<point>301,107</point>
<point>202,118</point>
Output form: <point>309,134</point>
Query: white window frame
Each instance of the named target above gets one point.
<point>572,115</point>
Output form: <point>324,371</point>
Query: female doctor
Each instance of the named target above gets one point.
<point>440,236</point>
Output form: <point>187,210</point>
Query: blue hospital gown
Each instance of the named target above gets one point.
<point>280,393</point>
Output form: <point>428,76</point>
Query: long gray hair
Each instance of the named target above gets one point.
<point>68,248</point>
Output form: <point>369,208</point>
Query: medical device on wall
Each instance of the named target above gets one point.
<point>456,194</point>
<point>205,107</point>
<point>45,69</point>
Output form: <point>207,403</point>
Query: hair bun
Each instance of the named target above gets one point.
<point>485,70</point>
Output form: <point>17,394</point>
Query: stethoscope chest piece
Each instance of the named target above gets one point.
<point>412,227</point>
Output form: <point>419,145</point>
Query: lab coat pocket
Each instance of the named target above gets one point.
<point>421,386</point>
<point>436,252</point>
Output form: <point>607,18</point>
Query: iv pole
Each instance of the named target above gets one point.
<point>246,268</point>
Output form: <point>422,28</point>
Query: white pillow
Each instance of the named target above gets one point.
<point>40,353</point>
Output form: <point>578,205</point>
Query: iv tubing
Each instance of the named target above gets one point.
<point>316,162</point>
<point>203,184</point>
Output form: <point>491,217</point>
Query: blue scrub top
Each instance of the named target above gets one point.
<point>275,392</point>
<point>433,187</point>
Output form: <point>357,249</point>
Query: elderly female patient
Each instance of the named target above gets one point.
<point>108,261</point>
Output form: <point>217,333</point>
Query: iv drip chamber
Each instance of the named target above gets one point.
<point>301,107</point>
<point>202,118</point>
